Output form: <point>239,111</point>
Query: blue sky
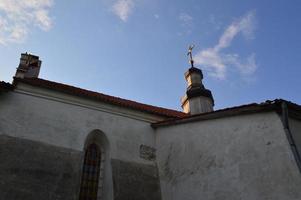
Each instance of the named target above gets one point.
<point>249,51</point>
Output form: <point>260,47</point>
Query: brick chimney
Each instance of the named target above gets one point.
<point>29,66</point>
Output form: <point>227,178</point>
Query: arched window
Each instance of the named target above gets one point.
<point>90,174</point>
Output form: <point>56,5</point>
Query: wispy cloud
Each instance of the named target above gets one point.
<point>217,62</point>
<point>185,18</point>
<point>123,8</point>
<point>18,17</point>
<point>186,21</point>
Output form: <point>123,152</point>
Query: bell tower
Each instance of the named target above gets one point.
<point>197,99</point>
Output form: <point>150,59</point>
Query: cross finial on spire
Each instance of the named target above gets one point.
<point>190,55</point>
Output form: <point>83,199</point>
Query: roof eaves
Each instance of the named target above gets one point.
<point>227,112</point>
<point>100,97</point>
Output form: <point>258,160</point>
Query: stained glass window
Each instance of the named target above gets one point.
<point>90,174</point>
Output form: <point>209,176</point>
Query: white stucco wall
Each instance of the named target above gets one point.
<point>62,123</point>
<point>243,157</point>
<point>62,120</point>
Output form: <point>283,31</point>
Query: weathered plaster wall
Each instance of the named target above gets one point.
<point>244,157</point>
<point>61,124</point>
<point>134,181</point>
<point>34,171</point>
<point>67,125</point>
<point>295,129</point>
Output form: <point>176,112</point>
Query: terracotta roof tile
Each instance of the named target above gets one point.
<point>101,97</point>
<point>233,111</point>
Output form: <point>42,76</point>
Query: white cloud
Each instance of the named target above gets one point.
<point>123,8</point>
<point>43,19</point>
<point>18,17</point>
<point>186,19</point>
<point>217,63</point>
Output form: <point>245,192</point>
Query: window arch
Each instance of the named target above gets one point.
<point>90,174</point>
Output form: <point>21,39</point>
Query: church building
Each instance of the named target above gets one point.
<point>59,142</point>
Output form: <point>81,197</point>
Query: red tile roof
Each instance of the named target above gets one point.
<point>274,105</point>
<point>100,97</point>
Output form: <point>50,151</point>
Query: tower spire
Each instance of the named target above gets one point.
<point>197,99</point>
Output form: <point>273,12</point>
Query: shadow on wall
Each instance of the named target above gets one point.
<point>97,149</point>
<point>117,179</point>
